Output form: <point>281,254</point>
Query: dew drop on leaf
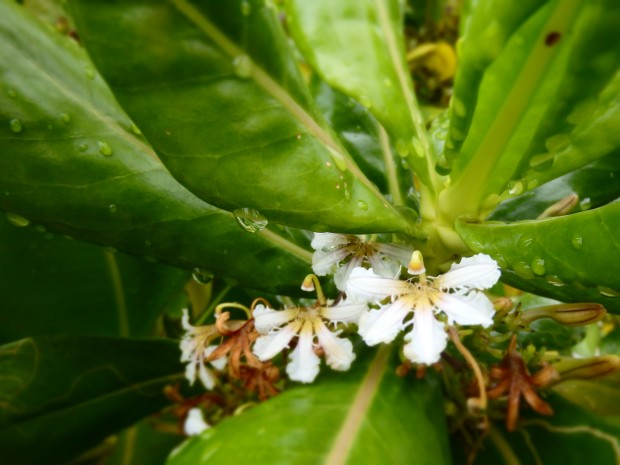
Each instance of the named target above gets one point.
<point>17,220</point>
<point>242,66</point>
<point>558,142</point>
<point>585,204</point>
<point>401,148</point>
<point>249,219</point>
<point>525,241</point>
<point>202,276</point>
<point>112,208</point>
<point>577,242</point>
<point>417,147</point>
<point>583,111</point>
<point>65,118</point>
<point>554,280</point>
<point>538,266</point>
<point>543,161</point>
<point>104,148</point>
<point>82,147</point>
<point>515,188</point>
<point>362,205</point>
<point>338,159</point>
<point>523,270</point>
<point>16,125</point>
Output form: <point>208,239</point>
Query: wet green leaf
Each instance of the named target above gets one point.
<point>570,253</point>
<point>55,285</point>
<point>62,395</point>
<point>216,91</point>
<point>71,160</point>
<point>536,97</point>
<point>368,416</point>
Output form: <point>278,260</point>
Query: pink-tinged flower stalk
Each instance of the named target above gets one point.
<point>310,326</point>
<point>196,348</point>
<point>455,293</point>
<point>340,254</point>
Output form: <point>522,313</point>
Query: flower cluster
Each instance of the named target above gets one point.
<point>377,301</point>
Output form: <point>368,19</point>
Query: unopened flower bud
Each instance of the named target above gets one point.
<point>502,305</point>
<point>567,314</point>
<point>587,368</point>
<point>416,264</point>
<point>561,207</point>
<point>308,284</point>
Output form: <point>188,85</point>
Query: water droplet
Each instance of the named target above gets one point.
<point>515,187</point>
<point>538,266</point>
<point>82,147</point>
<point>104,148</point>
<point>65,118</point>
<point>298,136</point>
<point>362,205</point>
<point>543,161</point>
<point>17,220</point>
<point>585,204</point>
<point>251,220</point>
<point>246,8</point>
<point>525,241</point>
<point>417,147</point>
<point>401,148</point>
<point>607,291</point>
<point>16,125</point>
<point>112,208</point>
<point>242,66</point>
<point>532,184</point>
<point>338,159</point>
<point>11,93</point>
<point>577,242</point>
<point>554,280</point>
<point>347,193</point>
<point>583,111</point>
<point>459,107</point>
<point>90,73</point>
<point>523,270</point>
<point>558,142</point>
<point>135,129</point>
<point>202,276</point>
<point>442,166</point>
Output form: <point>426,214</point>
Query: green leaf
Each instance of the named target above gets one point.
<point>571,253</point>
<point>557,440</point>
<point>54,285</point>
<point>594,184</point>
<point>536,97</point>
<point>62,395</point>
<point>599,396</point>
<point>368,416</point>
<point>143,444</point>
<point>358,47</point>
<point>215,89</point>
<point>70,159</point>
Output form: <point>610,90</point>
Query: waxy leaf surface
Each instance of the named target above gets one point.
<point>216,91</point>
<point>62,395</point>
<point>71,160</point>
<point>570,253</point>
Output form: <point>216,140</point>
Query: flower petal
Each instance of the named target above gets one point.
<point>477,272</point>
<point>427,339</point>
<point>219,363</point>
<point>472,309</point>
<point>344,272</point>
<point>303,363</point>
<point>324,262</point>
<point>272,344</point>
<point>400,253</point>
<point>345,312</point>
<point>384,324</point>
<point>205,375</point>
<point>195,422</point>
<point>367,286</point>
<point>190,372</point>
<point>384,265</point>
<point>185,321</point>
<point>329,240</point>
<point>338,351</point>
<point>266,319</point>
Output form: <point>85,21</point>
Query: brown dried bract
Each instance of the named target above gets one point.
<point>514,380</point>
<point>242,363</point>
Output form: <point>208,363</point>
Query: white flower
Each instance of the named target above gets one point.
<point>196,348</point>
<point>453,293</point>
<point>333,249</point>
<point>195,422</point>
<point>279,327</point>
